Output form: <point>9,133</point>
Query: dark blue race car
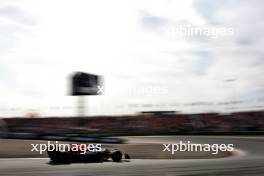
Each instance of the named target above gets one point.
<point>88,156</point>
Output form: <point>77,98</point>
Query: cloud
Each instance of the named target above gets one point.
<point>14,22</point>
<point>152,22</point>
<point>16,14</point>
<point>238,56</point>
<point>126,41</point>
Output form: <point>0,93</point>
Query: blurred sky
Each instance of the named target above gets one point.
<point>145,67</point>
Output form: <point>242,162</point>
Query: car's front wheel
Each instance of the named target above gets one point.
<point>116,156</point>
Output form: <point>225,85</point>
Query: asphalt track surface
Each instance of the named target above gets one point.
<point>250,162</point>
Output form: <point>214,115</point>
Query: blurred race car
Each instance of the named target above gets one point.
<point>88,156</point>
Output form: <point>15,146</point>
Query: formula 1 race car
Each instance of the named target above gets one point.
<point>88,156</point>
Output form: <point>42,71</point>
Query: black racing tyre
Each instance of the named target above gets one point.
<point>116,156</point>
<point>54,156</point>
<point>59,157</point>
<point>127,156</point>
<point>65,157</point>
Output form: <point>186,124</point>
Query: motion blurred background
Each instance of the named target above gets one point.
<point>192,67</point>
<point>168,66</point>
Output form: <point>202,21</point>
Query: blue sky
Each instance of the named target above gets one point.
<point>145,67</point>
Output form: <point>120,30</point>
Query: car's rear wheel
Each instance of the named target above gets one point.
<point>59,157</point>
<point>65,157</point>
<point>54,156</point>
